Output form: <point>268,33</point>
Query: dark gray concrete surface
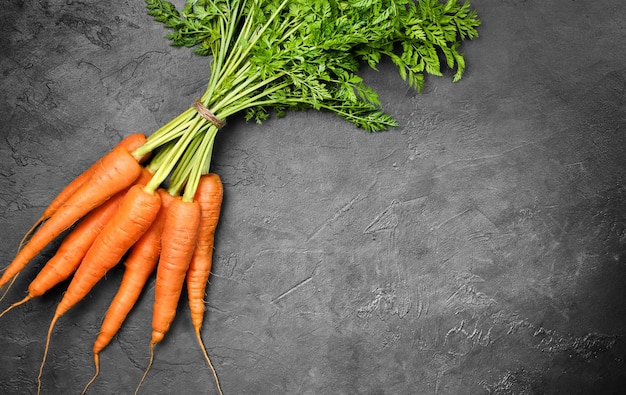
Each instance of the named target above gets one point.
<point>478,248</point>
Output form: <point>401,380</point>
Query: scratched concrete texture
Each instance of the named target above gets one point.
<point>478,248</point>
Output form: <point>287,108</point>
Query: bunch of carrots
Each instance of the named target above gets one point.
<point>153,202</point>
<point>116,214</point>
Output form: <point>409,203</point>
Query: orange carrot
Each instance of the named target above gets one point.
<point>130,143</point>
<point>178,241</point>
<point>177,244</point>
<point>75,245</point>
<point>137,212</point>
<point>209,196</point>
<point>139,265</point>
<point>113,173</point>
<point>71,251</point>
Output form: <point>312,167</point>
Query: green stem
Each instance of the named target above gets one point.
<point>180,174</point>
<point>186,142</point>
<point>224,104</point>
<point>211,96</point>
<point>201,163</point>
<point>252,101</point>
<point>166,133</point>
<point>175,153</point>
<point>157,160</point>
<point>226,35</point>
<point>247,37</point>
<point>230,58</point>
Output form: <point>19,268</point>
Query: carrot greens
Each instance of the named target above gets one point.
<point>282,55</point>
<point>155,198</point>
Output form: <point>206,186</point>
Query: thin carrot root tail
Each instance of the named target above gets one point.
<point>143,378</point>
<point>96,362</point>
<point>6,291</point>
<point>45,352</point>
<point>206,357</point>
<point>14,305</point>
<point>30,231</point>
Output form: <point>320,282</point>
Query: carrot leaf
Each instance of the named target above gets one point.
<point>276,56</point>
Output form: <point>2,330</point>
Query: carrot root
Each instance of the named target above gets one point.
<point>129,143</point>
<point>30,231</point>
<point>186,258</point>
<point>14,305</point>
<point>140,264</point>
<point>45,352</point>
<point>209,195</point>
<point>145,373</point>
<point>96,362</point>
<point>180,233</point>
<point>6,291</point>
<point>113,173</point>
<point>208,360</point>
<point>137,211</point>
<point>74,247</point>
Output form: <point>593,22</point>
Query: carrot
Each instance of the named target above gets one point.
<point>137,212</point>
<point>113,173</point>
<point>71,251</point>
<point>140,263</point>
<point>130,143</point>
<point>209,195</point>
<point>75,246</point>
<point>178,241</point>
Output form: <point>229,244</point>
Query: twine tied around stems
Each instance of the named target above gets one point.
<point>207,114</point>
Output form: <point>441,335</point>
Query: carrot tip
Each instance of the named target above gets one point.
<point>6,291</point>
<point>45,352</point>
<point>152,344</point>
<point>157,336</point>
<point>26,299</point>
<point>31,230</point>
<point>206,357</point>
<point>96,360</point>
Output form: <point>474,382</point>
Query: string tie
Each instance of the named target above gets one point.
<point>207,114</point>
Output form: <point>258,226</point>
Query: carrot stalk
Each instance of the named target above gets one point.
<point>177,244</point>
<point>113,173</point>
<point>209,195</point>
<point>140,264</point>
<point>137,212</point>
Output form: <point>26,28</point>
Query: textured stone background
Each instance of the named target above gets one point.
<point>478,248</point>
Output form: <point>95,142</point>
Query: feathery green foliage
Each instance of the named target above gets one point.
<point>280,55</point>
